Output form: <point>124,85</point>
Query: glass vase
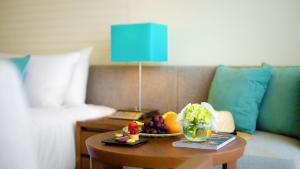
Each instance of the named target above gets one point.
<point>196,132</point>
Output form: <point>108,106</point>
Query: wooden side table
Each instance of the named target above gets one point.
<point>158,153</point>
<point>85,129</point>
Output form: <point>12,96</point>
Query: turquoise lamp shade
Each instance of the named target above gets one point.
<point>139,43</point>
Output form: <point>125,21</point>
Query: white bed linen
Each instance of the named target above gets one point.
<point>54,133</point>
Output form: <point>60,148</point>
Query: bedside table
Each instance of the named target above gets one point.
<point>85,129</point>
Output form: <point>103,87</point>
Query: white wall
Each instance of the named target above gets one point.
<point>201,32</point>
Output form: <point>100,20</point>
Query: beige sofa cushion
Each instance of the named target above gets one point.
<point>270,151</point>
<point>265,144</point>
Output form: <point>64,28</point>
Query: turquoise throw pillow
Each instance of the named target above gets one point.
<point>280,109</point>
<point>240,91</point>
<point>21,63</point>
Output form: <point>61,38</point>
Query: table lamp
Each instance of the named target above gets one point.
<point>144,42</point>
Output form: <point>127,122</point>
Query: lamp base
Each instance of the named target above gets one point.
<point>130,114</point>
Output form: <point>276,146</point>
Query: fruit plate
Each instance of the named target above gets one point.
<point>125,130</point>
<point>113,141</point>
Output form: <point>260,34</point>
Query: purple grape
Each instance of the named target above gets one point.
<point>146,125</point>
<point>123,139</point>
<point>161,119</point>
<point>151,123</point>
<point>153,117</point>
<point>156,119</point>
<point>164,127</point>
<point>158,125</point>
<point>153,131</point>
<point>147,130</point>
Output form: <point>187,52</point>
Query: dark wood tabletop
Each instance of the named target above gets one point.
<point>159,153</point>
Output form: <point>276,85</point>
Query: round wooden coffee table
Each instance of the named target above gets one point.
<point>157,153</point>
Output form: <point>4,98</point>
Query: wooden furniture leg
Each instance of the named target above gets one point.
<point>230,165</point>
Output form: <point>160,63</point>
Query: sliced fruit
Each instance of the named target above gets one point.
<point>140,125</point>
<point>134,137</point>
<point>130,141</point>
<point>123,139</point>
<point>118,135</point>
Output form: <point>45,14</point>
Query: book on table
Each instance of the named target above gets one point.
<point>127,115</point>
<point>133,114</point>
<point>215,142</point>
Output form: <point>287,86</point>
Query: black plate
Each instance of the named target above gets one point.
<point>113,141</point>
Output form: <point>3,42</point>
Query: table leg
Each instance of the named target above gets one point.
<point>229,165</point>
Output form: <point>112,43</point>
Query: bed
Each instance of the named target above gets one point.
<point>52,90</point>
<point>54,133</point>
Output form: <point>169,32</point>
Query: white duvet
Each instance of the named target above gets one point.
<point>54,133</point>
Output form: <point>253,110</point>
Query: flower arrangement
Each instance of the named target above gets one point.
<point>197,121</point>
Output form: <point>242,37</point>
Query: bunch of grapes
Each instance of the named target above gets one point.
<point>155,125</point>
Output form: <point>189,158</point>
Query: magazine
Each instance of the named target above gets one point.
<point>215,142</point>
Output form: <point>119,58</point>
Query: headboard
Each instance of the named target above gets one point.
<point>166,88</point>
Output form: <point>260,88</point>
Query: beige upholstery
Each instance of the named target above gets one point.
<point>166,88</point>
<point>270,145</point>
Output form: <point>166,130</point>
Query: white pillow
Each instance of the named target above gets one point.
<point>48,78</point>
<point>76,93</point>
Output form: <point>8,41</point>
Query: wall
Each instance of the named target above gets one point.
<point>201,32</point>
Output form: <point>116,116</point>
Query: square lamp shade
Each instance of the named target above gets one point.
<point>139,43</point>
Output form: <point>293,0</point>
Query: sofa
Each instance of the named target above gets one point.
<point>170,88</point>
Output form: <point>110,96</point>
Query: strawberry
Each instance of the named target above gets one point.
<point>134,131</point>
<point>133,128</point>
<point>132,124</point>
